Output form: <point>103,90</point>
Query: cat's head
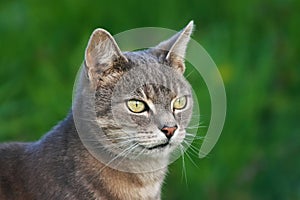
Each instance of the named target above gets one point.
<point>142,102</point>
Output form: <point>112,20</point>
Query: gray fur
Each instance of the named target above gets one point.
<point>62,166</point>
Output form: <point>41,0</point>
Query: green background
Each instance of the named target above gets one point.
<point>255,44</point>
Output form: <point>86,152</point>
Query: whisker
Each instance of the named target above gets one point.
<point>195,127</point>
<point>190,158</point>
<point>194,137</point>
<point>139,154</point>
<point>183,165</point>
<point>119,155</point>
<point>191,148</point>
<point>189,73</point>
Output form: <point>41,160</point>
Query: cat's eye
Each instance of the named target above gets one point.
<point>180,103</point>
<point>136,106</point>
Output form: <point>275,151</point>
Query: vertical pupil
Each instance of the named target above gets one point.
<point>179,102</point>
<point>136,103</point>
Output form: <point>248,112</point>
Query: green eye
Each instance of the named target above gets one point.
<point>180,103</point>
<point>136,106</point>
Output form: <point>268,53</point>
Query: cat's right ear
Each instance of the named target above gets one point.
<point>101,53</point>
<point>172,51</point>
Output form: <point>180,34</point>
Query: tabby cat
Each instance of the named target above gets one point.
<point>129,114</point>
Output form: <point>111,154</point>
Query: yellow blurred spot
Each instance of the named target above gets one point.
<point>226,71</point>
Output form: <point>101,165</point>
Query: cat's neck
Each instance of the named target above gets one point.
<point>123,185</point>
<point>100,178</point>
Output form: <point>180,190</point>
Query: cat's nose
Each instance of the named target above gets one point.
<point>169,131</point>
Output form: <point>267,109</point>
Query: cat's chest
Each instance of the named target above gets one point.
<point>150,192</point>
<point>109,183</point>
<point>124,190</point>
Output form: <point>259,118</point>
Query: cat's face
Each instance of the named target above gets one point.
<point>150,108</point>
<point>141,99</point>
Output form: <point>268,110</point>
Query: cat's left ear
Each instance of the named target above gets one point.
<point>172,51</point>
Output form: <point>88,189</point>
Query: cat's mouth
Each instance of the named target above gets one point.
<point>158,146</point>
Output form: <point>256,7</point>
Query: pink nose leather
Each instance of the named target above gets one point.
<point>169,131</point>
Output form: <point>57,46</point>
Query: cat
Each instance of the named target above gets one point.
<point>117,147</point>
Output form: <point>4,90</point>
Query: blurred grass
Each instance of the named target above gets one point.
<point>255,44</point>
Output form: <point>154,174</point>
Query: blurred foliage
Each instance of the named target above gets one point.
<point>255,44</point>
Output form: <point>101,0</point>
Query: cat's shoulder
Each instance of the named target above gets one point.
<point>12,148</point>
<point>12,153</point>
